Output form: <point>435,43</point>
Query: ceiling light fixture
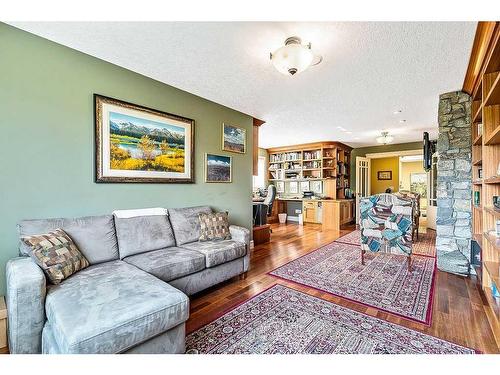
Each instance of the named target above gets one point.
<point>397,112</point>
<point>385,138</point>
<point>294,57</point>
<point>402,121</point>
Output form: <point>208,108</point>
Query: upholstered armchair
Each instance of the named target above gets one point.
<point>386,225</point>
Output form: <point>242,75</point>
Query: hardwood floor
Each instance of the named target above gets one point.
<point>461,311</point>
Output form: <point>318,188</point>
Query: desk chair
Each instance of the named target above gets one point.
<point>267,205</point>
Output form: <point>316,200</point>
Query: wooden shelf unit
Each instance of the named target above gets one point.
<point>483,83</point>
<point>321,161</point>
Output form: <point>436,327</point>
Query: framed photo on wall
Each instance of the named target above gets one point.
<point>218,168</point>
<point>317,187</point>
<point>233,138</point>
<point>140,144</point>
<point>280,186</point>
<point>384,175</point>
<point>304,186</point>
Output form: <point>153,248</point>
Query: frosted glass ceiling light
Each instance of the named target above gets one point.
<point>294,57</point>
<point>385,138</point>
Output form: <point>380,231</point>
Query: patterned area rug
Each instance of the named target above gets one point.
<point>383,282</point>
<point>281,320</point>
<point>425,245</point>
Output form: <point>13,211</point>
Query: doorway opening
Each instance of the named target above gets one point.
<point>398,171</point>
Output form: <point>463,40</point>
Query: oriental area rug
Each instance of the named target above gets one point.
<point>282,320</point>
<point>425,245</point>
<point>384,282</point>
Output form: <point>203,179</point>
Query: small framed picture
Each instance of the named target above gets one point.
<point>384,175</point>
<point>280,186</point>
<point>233,138</point>
<point>294,187</point>
<point>218,168</point>
<point>304,186</point>
<point>317,187</point>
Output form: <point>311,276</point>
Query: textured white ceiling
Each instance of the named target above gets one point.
<point>369,70</point>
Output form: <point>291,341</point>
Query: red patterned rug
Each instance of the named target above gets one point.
<point>383,282</point>
<point>425,245</point>
<point>281,320</point>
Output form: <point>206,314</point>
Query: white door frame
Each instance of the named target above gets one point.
<point>363,188</point>
<point>431,209</point>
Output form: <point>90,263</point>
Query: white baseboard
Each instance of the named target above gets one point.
<point>293,218</point>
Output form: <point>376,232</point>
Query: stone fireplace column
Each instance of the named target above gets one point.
<point>454,183</point>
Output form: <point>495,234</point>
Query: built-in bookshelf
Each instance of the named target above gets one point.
<point>328,162</point>
<point>485,114</point>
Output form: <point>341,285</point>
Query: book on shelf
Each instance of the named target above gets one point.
<point>312,164</point>
<point>308,155</point>
<point>291,165</point>
<point>286,156</point>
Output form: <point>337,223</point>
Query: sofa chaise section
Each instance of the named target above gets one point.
<point>110,308</point>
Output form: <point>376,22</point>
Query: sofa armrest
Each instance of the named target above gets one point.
<point>242,234</point>
<point>26,289</point>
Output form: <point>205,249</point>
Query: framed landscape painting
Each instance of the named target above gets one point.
<point>233,139</point>
<point>384,175</point>
<point>218,168</point>
<point>139,144</point>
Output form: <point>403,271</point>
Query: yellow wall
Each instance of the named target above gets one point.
<point>406,170</point>
<point>384,164</point>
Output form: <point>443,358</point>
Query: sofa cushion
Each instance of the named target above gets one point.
<point>169,264</point>
<point>94,236</point>
<point>143,233</point>
<point>186,223</point>
<point>218,252</point>
<point>214,226</point>
<point>56,254</point>
<point>110,307</point>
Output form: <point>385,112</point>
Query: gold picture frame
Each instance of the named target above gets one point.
<point>218,168</point>
<point>384,175</point>
<point>141,145</point>
<point>234,139</point>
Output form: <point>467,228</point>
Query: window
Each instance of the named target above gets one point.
<point>259,180</point>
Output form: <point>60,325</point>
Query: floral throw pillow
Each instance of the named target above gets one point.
<point>56,254</point>
<point>214,226</point>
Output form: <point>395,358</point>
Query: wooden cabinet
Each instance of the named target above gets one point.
<point>310,212</point>
<point>336,213</point>
<point>261,234</point>
<point>346,212</point>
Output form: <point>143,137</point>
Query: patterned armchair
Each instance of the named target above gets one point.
<point>386,225</point>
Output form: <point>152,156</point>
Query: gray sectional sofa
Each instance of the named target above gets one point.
<point>133,296</point>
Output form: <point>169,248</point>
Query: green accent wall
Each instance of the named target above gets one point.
<point>47,139</point>
<point>362,151</point>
